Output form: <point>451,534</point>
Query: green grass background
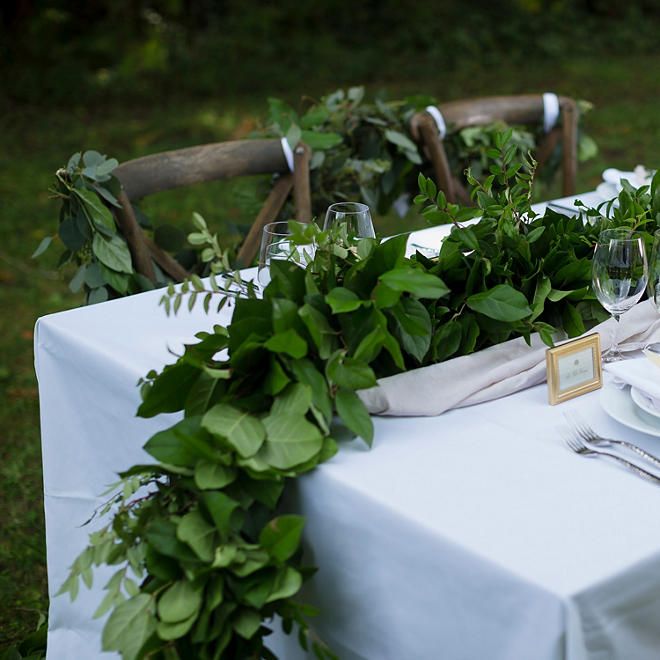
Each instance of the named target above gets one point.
<point>37,138</point>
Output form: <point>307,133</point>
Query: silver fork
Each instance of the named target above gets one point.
<point>577,445</point>
<point>591,437</point>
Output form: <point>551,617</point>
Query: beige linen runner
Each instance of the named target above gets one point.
<point>492,373</point>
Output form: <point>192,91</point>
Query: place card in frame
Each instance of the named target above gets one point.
<point>573,368</point>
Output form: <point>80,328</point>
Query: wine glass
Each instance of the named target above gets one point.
<point>619,276</point>
<point>276,244</point>
<point>654,271</point>
<point>354,214</point>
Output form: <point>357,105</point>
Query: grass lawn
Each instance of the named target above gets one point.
<point>36,141</point>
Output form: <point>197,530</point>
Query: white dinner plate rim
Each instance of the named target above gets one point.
<point>641,401</point>
<point>618,404</point>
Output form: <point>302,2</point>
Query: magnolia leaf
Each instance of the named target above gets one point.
<point>350,373</point>
<point>354,414</point>
<point>289,342</point>
<point>246,622</point>
<point>415,281</point>
<point>182,444</point>
<point>244,432</point>
<point>322,141</point>
<point>287,584</point>
<point>413,327</point>
<point>168,631</point>
<point>129,626</point>
<point>343,300</point>
<point>179,602</point>
<point>209,475</point>
<point>198,534</point>
<point>290,440</point>
<point>222,508</point>
<point>280,538</point>
<point>113,253</point>
<point>502,303</point>
<point>296,400</point>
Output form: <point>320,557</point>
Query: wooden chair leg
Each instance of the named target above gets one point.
<point>547,146</point>
<point>168,264</point>
<point>428,132</point>
<point>301,192</point>
<point>272,206</point>
<point>135,238</point>
<point>569,131</point>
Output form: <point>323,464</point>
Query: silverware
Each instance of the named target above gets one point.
<point>588,435</point>
<point>560,207</point>
<point>577,445</point>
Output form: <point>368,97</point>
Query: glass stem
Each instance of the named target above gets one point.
<point>614,347</point>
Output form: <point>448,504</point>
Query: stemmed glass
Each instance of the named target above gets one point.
<point>619,276</point>
<point>354,214</point>
<point>276,243</point>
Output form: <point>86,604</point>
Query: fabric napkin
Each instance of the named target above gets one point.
<point>492,373</point>
<point>611,185</point>
<point>641,373</point>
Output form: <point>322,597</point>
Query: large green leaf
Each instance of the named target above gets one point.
<point>169,391</point>
<point>183,444</point>
<point>290,440</point>
<point>113,253</point>
<point>129,626</point>
<point>296,400</point>
<point>354,414</point>
<point>415,281</point>
<point>280,538</point>
<point>289,342</point>
<point>244,432</point>
<point>343,300</point>
<point>223,509</point>
<point>412,327</point>
<point>179,602</point>
<point>198,534</point>
<point>210,475</point>
<point>287,584</point>
<point>96,209</point>
<point>502,303</point>
<point>246,622</point>
<point>321,140</point>
<point>349,372</point>
<point>319,328</point>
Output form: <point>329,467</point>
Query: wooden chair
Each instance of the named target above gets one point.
<point>523,109</point>
<point>223,160</point>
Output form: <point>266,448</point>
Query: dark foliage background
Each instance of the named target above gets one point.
<point>66,52</point>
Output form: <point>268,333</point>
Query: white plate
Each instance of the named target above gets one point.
<point>644,402</point>
<point>618,404</point>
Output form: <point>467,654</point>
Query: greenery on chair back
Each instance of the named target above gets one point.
<point>94,244</point>
<point>363,150</point>
<point>203,557</point>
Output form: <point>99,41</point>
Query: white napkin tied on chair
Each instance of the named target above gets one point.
<point>438,118</point>
<point>550,111</point>
<point>288,153</point>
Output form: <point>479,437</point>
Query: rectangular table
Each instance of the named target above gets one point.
<point>473,535</point>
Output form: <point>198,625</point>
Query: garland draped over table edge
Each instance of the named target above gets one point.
<point>203,560</point>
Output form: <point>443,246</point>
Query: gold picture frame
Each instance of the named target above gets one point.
<point>573,368</point>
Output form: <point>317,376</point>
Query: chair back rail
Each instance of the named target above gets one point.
<point>520,109</point>
<point>168,170</point>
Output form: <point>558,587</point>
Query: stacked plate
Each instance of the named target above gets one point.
<point>627,399</point>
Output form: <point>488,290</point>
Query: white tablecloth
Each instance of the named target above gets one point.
<point>473,535</point>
